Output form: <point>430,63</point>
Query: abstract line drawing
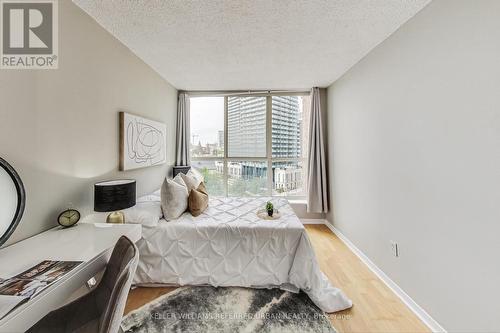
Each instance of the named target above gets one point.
<point>142,142</point>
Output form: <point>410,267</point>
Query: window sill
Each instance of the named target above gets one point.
<point>297,201</point>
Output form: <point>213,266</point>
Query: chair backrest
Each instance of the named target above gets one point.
<point>112,291</point>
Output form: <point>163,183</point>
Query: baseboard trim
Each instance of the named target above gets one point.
<point>407,300</point>
<point>313,221</point>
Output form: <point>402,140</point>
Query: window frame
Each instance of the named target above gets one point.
<point>269,144</point>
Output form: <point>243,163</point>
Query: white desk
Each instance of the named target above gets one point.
<point>91,243</point>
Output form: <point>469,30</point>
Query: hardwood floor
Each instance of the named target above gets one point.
<point>376,308</point>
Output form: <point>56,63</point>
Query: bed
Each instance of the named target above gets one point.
<point>229,245</point>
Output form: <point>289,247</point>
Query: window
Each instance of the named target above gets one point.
<point>207,126</point>
<point>213,172</point>
<point>246,126</point>
<point>289,178</point>
<point>247,178</point>
<point>290,135</point>
<point>236,140</point>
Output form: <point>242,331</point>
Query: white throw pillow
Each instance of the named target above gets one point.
<point>191,182</point>
<point>174,198</point>
<point>196,175</point>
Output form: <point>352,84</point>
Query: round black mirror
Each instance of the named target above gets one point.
<point>12,200</point>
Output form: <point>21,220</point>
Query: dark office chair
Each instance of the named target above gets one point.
<point>101,310</point>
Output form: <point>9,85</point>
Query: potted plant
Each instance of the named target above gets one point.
<point>269,208</point>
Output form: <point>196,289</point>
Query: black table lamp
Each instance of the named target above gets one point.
<point>112,196</point>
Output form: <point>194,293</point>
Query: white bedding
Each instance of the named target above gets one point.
<point>228,245</point>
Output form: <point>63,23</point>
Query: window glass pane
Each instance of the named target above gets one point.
<point>246,126</point>
<point>207,126</point>
<point>213,172</point>
<point>289,178</point>
<point>290,125</point>
<point>247,178</point>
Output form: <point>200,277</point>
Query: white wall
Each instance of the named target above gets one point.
<point>414,143</point>
<point>59,128</point>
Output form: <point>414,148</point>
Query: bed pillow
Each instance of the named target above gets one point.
<point>196,174</point>
<point>191,180</point>
<point>151,197</point>
<point>202,188</point>
<point>174,198</point>
<point>148,216</point>
<point>198,200</point>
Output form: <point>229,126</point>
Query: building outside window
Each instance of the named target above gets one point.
<point>268,132</point>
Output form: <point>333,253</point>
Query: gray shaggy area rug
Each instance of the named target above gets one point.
<point>210,309</point>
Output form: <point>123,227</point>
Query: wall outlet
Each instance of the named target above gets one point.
<point>395,248</point>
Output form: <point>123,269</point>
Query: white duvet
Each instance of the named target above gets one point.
<point>228,245</point>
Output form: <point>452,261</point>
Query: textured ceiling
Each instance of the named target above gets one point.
<point>251,44</point>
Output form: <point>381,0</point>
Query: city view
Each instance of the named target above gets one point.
<point>247,159</point>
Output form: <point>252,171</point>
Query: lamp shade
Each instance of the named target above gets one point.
<point>114,195</point>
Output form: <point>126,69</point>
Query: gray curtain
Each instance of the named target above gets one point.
<point>317,192</point>
<point>182,141</point>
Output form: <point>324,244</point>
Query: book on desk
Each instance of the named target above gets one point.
<point>28,284</point>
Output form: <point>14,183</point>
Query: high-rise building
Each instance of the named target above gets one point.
<point>221,139</point>
<point>247,126</point>
<point>247,138</point>
<point>286,129</point>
